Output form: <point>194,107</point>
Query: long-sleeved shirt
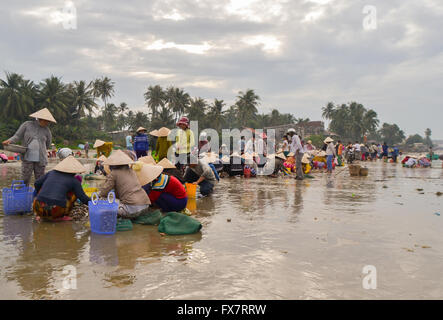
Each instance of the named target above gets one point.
<point>173,187</point>
<point>127,188</point>
<point>161,147</point>
<point>141,142</point>
<point>53,187</point>
<point>31,131</point>
<point>184,141</point>
<point>296,144</point>
<point>330,150</point>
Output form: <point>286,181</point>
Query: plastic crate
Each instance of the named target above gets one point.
<point>103,214</point>
<point>18,198</point>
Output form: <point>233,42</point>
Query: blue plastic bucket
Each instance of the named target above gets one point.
<point>18,198</point>
<point>103,214</point>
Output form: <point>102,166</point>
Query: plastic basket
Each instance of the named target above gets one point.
<point>103,214</point>
<point>18,198</point>
<point>191,190</point>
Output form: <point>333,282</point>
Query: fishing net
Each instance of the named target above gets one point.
<point>175,223</point>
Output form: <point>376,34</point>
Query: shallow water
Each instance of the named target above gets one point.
<point>287,239</point>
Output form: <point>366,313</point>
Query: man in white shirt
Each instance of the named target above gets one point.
<point>357,150</point>
<point>297,148</point>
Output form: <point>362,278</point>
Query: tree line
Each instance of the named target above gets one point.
<point>80,115</point>
<point>352,121</point>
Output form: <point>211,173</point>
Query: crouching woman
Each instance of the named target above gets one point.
<point>163,190</point>
<point>199,172</point>
<point>58,190</point>
<point>131,197</point>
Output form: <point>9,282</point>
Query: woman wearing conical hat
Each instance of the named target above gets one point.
<point>127,185</point>
<point>163,144</point>
<point>58,190</point>
<point>37,138</point>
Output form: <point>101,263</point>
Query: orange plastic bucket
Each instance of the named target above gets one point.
<point>192,204</point>
<point>191,190</point>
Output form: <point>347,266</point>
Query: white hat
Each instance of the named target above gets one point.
<point>147,160</point>
<point>118,158</point>
<point>165,163</point>
<point>203,134</point>
<point>163,132</point>
<point>43,114</point>
<point>141,129</point>
<point>291,130</point>
<point>70,165</point>
<point>328,139</point>
<point>98,143</point>
<point>146,172</point>
<point>235,154</point>
<point>63,153</point>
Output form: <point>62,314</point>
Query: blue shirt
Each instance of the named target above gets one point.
<point>141,142</point>
<point>128,141</point>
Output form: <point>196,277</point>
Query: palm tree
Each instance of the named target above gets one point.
<point>328,111</point>
<point>123,107</point>
<point>197,110</point>
<point>103,88</point>
<point>178,101</point>
<point>247,103</point>
<point>54,96</point>
<point>16,96</point>
<point>216,114</point>
<point>155,98</point>
<point>82,98</point>
<point>109,116</point>
<point>428,140</point>
<point>370,121</point>
<point>164,119</point>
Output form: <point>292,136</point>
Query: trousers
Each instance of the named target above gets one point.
<point>28,168</point>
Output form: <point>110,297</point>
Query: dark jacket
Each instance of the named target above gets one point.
<point>53,187</point>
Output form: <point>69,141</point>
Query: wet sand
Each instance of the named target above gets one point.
<point>286,239</point>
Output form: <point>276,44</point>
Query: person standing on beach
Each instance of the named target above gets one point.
<point>330,153</point>
<point>86,149</point>
<point>129,142</point>
<point>141,143</point>
<point>297,149</point>
<point>37,138</point>
<point>385,149</point>
<point>184,143</point>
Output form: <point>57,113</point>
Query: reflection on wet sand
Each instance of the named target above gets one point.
<point>262,238</point>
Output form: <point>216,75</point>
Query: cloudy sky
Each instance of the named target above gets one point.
<point>296,54</point>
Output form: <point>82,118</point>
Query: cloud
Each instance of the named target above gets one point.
<point>297,55</point>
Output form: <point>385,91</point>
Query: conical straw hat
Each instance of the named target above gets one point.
<point>146,172</point>
<point>305,158</point>
<point>98,143</point>
<point>102,158</point>
<point>118,158</point>
<point>165,163</point>
<point>140,129</point>
<point>70,165</point>
<point>210,157</point>
<point>154,133</point>
<point>291,154</point>
<point>163,132</point>
<point>43,114</point>
<point>235,154</point>
<point>321,154</point>
<point>328,139</point>
<point>281,155</point>
<point>147,159</point>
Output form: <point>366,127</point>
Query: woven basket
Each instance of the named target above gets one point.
<point>354,169</point>
<point>364,172</point>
